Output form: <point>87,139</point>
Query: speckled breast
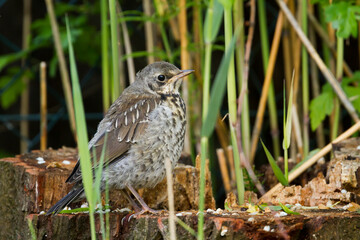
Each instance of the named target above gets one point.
<point>163,138</point>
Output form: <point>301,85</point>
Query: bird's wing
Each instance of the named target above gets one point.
<point>127,124</point>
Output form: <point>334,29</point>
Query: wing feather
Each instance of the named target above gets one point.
<point>128,121</point>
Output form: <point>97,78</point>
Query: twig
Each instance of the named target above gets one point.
<point>326,72</point>
<point>224,170</point>
<point>62,64</point>
<point>266,85</point>
<point>315,158</point>
<point>43,107</point>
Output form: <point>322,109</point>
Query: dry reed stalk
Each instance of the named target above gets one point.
<point>244,86</point>
<point>224,169</point>
<point>198,40</point>
<point>312,52</point>
<point>63,68</point>
<point>296,59</point>
<point>222,133</point>
<point>266,85</point>
<point>288,61</point>
<point>149,32</point>
<point>174,25</point>
<point>184,55</point>
<point>43,107</point>
<point>122,78</point>
<point>296,55</point>
<point>316,157</point>
<point>127,45</point>
<point>297,130</point>
<point>170,191</point>
<point>24,105</point>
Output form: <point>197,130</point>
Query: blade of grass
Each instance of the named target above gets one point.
<point>287,129</point>
<point>316,157</point>
<point>186,227</point>
<point>85,162</point>
<point>287,210</point>
<point>218,91</point>
<point>31,228</point>
<point>277,171</point>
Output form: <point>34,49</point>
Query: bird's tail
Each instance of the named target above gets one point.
<point>62,203</point>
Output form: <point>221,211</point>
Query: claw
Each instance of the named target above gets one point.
<point>127,218</point>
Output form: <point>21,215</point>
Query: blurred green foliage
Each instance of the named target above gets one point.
<point>343,15</point>
<point>323,105</point>
<point>86,39</point>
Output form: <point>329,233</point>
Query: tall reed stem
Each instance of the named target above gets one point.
<point>231,91</point>
<point>339,73</point>
<point>239,51</point>
<point>25,96</point>
<point>114,50</point>
<point>43,107</point>
<point>105,55</point>
<point>205,106</point>
<point>305,82</point>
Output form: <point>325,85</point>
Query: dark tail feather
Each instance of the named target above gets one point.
<point>62,203</point>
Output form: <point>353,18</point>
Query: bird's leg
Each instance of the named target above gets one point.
<point>131,201</point>
<point>144,206</point>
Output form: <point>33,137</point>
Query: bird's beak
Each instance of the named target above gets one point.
<point>182,74</point>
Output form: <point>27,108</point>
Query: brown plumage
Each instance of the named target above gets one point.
<point>145,125</point>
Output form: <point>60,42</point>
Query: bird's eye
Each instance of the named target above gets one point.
<point>161,77</point>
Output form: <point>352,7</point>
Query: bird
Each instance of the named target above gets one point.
<point>144,126</point>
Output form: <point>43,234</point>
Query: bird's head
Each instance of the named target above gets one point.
<point>162,77</point>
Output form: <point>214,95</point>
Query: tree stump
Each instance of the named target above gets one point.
<point>33,182</point>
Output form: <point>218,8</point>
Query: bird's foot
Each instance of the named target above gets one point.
<point>129,216</point>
